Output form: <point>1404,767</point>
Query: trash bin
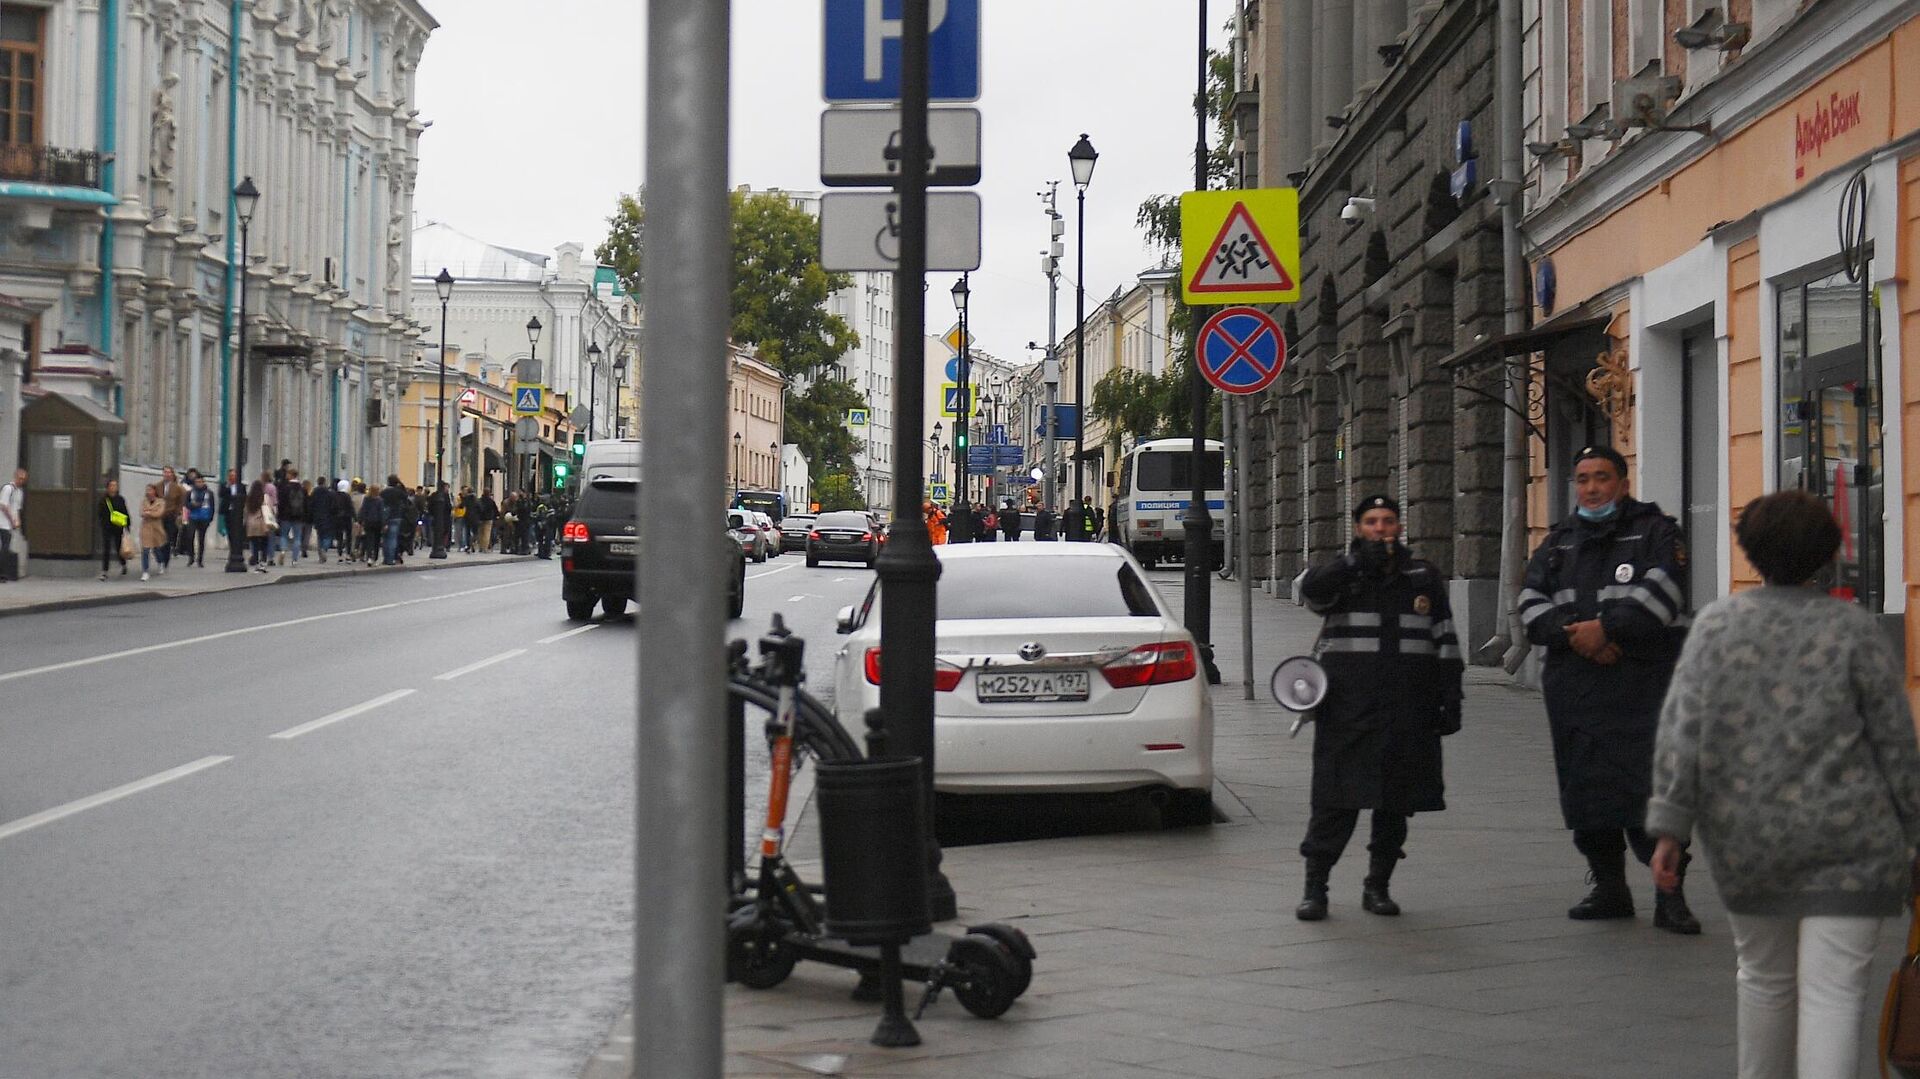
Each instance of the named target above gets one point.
<point>873,827</point>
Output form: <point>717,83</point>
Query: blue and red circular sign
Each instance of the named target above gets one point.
<point>1242,350</point>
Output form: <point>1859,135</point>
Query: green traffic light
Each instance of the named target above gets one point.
<point>559,471</point>
<point>963,442</point>
<point>579,448</point>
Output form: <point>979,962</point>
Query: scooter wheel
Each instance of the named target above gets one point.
<point>984,976</point>
<point>1017,947</point>
<point>757,959</point>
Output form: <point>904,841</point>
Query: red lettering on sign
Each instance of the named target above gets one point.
<point>1830,119</point>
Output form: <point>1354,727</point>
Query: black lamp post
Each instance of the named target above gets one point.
<point>533,364</point>
<point>936,455</point>
<point>619,381</point>
<point>245,198</point>
<point>735,462</point>
<point>961,529</point>
<point>442,284</point>
<point>1081,160</point>
<point>593,393</point>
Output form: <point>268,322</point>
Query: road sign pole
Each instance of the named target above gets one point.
<point>1198,521</point>
<point>680,872</point>
<point>907,567</point>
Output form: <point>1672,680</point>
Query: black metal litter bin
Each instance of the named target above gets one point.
<point>873,829</point>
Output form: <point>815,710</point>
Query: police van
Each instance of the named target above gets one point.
<point>1153,487</point>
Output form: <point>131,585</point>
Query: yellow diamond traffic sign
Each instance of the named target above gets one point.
<point>952,339</point>
<point>1240,246</point>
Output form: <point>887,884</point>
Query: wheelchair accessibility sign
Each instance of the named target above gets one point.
<point>529,399</point>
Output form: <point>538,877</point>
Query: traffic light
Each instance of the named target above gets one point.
<point>559,473</point>
<point>579,443</point>
<point>960,440</point>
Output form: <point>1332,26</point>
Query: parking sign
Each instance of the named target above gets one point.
<point>863,50</point>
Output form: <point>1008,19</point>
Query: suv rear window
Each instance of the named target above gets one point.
<point>602,499</point>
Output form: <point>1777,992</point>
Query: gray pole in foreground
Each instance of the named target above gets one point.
<point>1510,102</point>
<point>680,828</point>
<point>1242,447</point>
<point>1197,520</point>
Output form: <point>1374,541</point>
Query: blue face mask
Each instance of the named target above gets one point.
<point>1603,513</point>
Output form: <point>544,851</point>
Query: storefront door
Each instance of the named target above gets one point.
<point>1701,446</point>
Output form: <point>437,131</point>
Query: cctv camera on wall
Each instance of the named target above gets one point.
<point>1358,208</point>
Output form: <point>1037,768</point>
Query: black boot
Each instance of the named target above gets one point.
<point>1313,904</point>
<point>1373,891</point>
<point>1610,898</point>
<point>1670,910</point>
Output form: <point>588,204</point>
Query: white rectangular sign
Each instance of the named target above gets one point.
<point>860,230</point>
<point>861,147</point>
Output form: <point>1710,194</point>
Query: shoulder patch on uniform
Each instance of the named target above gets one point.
<point>1422,604</point>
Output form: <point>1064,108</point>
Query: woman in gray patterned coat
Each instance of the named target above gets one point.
<point>1786,741</point>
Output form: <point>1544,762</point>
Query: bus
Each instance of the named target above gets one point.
<point>771,503</point>
<point>1153,486</point>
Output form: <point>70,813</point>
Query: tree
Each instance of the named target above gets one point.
<point>778,297</point>
<point>838,491</point>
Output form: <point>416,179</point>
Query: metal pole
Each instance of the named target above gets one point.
<point>440,422</point>
<point>1080,348</point>
<point>1052,478</point>
<point>961,529</point>
<point>1513,473</point>
<point>1197,519</point>
<point>1242,448</point>
<point>680,827</point>
<point>907,567</point>
<point>237,518</point>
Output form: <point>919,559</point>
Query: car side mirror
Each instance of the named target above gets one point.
<point>843,622</point>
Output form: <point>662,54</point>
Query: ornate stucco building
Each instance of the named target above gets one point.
<point>118,160</point>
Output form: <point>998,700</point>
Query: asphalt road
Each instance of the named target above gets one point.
<point>365,827</point>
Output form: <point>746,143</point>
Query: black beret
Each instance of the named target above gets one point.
<point>1604,453</point>
<point>1376,502</point>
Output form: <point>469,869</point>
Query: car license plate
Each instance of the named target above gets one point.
<point>1031,686</point>
<point>624,547</point>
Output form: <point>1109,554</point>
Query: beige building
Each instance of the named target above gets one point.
<point>480,425</point>
<point>756,411</point>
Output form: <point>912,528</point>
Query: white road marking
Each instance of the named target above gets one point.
<point>771,572</point>
<point>225,633</point>
<point>472,667</point>
<point>344,713</point>
<point>569,633</point>
<point>801,596</point>
<point>94,801</point>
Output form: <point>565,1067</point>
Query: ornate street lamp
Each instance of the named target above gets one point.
<point>961,530</point>
<point>532,373</point>
<point>443,285</point>
<point>245,198</point>
<point>1081,160</point>
<point>593,394</point>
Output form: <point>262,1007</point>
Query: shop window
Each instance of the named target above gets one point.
<point>20,75</point>
<point>1830,439</point>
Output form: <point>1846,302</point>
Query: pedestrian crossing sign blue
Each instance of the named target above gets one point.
<point>856,417</point>
<point>529,399</point>
<point>950,399</point>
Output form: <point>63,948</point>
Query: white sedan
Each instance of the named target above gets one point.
<point>1058,668</point>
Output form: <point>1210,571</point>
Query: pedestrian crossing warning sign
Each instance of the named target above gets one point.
<point>528,399</point>
<point>1240,247</point>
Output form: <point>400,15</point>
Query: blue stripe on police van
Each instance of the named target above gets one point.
<point>1169,504</point>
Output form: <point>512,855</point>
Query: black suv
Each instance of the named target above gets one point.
<point>597,549</point>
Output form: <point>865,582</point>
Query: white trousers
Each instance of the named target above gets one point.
<point>1802,986</point>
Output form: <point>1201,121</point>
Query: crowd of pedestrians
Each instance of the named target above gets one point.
<point>985,523</point>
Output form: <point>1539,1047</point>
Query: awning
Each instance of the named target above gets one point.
<point>493,461</point>
<point>1571,323</point>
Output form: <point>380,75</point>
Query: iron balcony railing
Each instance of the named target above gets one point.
<point>50,165</point>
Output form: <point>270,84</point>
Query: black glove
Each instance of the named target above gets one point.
<point>1449,721</point>
<point>1375,555</point>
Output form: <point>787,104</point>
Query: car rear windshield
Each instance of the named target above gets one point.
<point>602,499</point>
<point>1171,470</point>
<point>856,521</point>
<point>796,521</point>
<point>1042,588</point>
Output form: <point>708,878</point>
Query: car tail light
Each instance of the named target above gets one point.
<point>1151,665</point>
<point>866,537</point>
<point>946,676</point>
<point>813,535</point>
<point>576,532</point>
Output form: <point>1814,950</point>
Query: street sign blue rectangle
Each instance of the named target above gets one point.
<point>863,50</point>
<point>1069,421</point>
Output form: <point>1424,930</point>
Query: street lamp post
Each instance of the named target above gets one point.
<point>442,284</point>
<point>619,382</point>
<point>593,394</point>
<point>733,469</point>
<point>245,198</point>
<point>532,375</point>
<point>936,455</point>
<point>961,530</point>
<point>1081,160</point>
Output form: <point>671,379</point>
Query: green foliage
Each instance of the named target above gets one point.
<point>623,248</point>
<point>1149,406</point>
<point>816,421</point>
<point>839,491</point>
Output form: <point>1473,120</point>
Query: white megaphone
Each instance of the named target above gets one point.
<point>1299,684</point>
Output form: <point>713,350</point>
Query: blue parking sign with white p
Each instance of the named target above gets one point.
<point>863,50</point>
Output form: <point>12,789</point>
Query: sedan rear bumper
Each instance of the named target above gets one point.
<point>1094,754</point>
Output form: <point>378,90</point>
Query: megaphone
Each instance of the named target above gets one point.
<point>1299,685</point>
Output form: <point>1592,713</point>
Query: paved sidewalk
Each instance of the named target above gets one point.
<point>42,592</point>
<point>1177,953</point>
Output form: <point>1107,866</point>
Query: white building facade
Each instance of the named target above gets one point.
<point>116,173</point>
<point>498,290</point>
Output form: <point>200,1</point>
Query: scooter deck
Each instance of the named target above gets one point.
<point>918,956</point>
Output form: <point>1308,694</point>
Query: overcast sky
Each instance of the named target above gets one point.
<point>538,115</point>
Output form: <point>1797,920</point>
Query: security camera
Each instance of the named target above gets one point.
<point>1358,208</point>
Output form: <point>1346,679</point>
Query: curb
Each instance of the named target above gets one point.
<point>85,602</point>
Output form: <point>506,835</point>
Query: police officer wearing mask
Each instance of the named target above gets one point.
<point>1602,595</point>
<point>1393,667</point>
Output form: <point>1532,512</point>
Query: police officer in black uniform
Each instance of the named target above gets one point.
<point>1602,595</point>
<point>1393,668</point>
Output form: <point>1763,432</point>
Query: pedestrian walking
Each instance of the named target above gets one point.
<point>372,523</point>
<point>1786,740</point>
<point>320,513</point>
<point>155,547</point>
<point>233,509</point>
<point>174,494</point>
<point>395,503</point>
<point>440,511</point>
<point>199,511</point>
<point>489,511</point>
<point>290,507</point>
<point>1077,522</point>
<point>1043,524</point>
<point>1393,670</point>
<point>261,525</point>
<point>936,523</point>
<point>13,504</point>
<point>986,524</point>
<point>1010,521</point>
<point>114,521</point>
<point>1602,595</point>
